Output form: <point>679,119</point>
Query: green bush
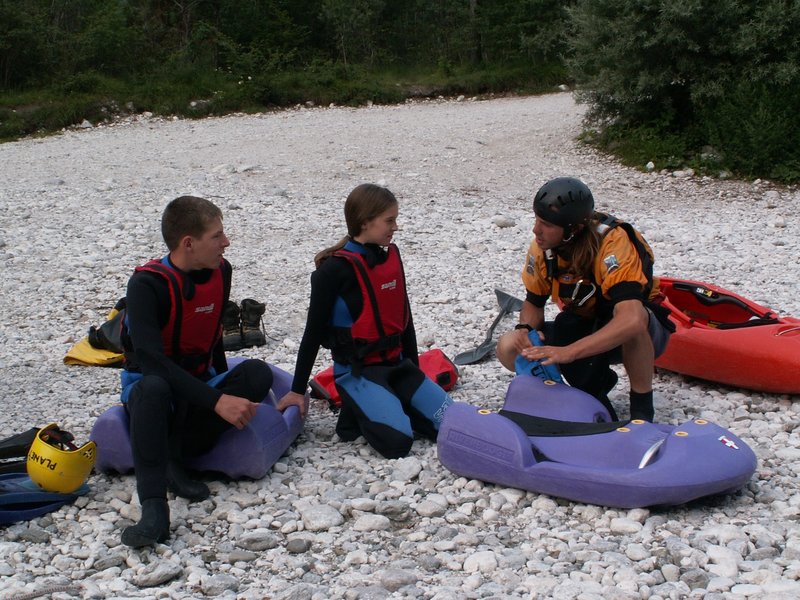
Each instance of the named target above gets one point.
<point>87,82</point>
<point>640,145</point>
<point>756,127</point>
<point>48,115</point>
<point>723,73</point>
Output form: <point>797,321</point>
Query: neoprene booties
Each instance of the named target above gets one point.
<point>152,528</point>
<point>180,484</point>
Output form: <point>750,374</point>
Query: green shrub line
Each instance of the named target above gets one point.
<point>101,99</point>
<point>98,98</point>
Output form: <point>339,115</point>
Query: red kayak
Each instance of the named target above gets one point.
<point>726,338</point>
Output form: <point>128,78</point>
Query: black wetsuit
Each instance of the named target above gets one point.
<point>171,410</point>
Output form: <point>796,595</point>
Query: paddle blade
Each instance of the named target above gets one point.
<point>507,302</point>
<point>470,357</point>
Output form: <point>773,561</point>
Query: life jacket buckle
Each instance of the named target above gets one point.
<point>589,294</point>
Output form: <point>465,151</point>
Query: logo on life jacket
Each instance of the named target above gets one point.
<point>205,309</point>
<point>612,264</point>
<point>390,285</point>
<point>530,264</point>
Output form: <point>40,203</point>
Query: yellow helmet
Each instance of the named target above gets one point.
<point>56,463</point>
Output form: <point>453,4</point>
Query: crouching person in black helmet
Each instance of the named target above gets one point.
<point>178,391</point>
<point>600,270</point>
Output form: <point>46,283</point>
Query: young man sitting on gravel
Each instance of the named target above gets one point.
<point>175,384</point>
<point>600,270</point>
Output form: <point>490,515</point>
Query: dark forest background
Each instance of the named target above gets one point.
<point>714,85</point>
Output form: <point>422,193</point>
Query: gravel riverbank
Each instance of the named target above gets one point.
<point>335,520</point>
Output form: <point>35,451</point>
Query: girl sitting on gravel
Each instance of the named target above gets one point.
<point>359,309</point>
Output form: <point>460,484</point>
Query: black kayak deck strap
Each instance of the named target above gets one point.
<point>544,427</point>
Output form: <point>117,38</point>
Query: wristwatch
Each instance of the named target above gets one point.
<point>523,326</point>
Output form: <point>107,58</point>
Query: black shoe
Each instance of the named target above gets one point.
<point>180,484</point>
<point>152,528</point>
<point>252,323</point>
<point>232,326</point>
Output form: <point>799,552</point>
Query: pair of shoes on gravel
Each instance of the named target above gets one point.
<point>243,325</point>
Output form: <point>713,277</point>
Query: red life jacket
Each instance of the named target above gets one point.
<point>376,332</point>
<point>195,320</point>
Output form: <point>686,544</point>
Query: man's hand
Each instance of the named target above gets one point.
<point>293,399</point>
<point>235,410</point>
<point>522,340</point>
<point>550,355</point>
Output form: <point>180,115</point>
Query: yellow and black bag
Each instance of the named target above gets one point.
<point>102,347</point>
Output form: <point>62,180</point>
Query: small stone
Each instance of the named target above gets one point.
<point>725,562</point>
<point>158,573</point>
<point>695,579</point>
<point>298,545</point>
<point>394,579</point>
<point>636,552</point>
<point>625,526</point>
<point>218,584</point>
<point>258,541</point>
<point>363,504</point>
<point>371,522</point>
<point>406,469</point>
<point>107,562</point>
<point>671,572</point>
<point>396,510</point>
<point>771,198</point>
<point>483,562</point>
<point>241,556</point>
<point>321,517</point>
<point>747,590</point>
<point>504,222</point>
<point>35,535</point>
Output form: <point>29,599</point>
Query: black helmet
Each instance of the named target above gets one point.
<point>564,201</point>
